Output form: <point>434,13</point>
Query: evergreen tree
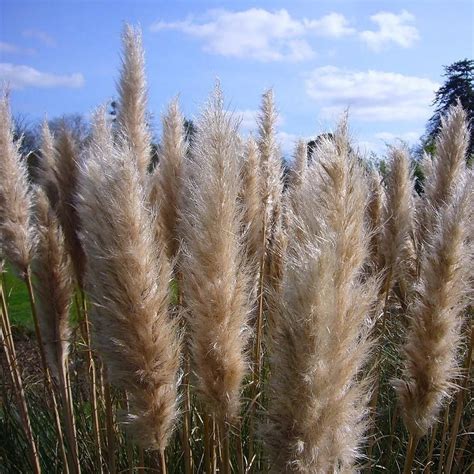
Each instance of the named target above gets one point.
<point>459,85</point>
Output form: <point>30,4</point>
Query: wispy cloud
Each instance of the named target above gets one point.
<point>9,48</point>
<point>333,25</point>
<point>390,137</point>
<point>255,33</point>
<point>377,143</point>
<point>259,34</point>
<point>265,35</point>
<point>21,76</point>
<point>371,95</point>
<point>392,29</point>
<point>40,36</point>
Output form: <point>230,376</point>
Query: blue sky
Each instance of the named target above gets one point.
<point>382,59</point>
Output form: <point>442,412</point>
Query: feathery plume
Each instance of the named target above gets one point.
<point>449,162</point>
<point>46,172</point>
<point>132,89</point>
<point>16,233</point>
<point>271,197</point>
<point>297,175</point>
<point>397,240</point>
<point>166,181</point>
<point>446,169</point>
<point>53,285</point>
<point>300,165</point>
<point>426,165</point>
<point>215,281</point>
<point>374,217</point>
<point>252,205</point>
<point>436,316</point>
<point>270,162</point>
<point>67,171</point>
<point>128,282</point>
<point>317,405</point>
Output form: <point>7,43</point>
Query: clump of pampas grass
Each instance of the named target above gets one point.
<point>214,277</point>
<point>128,280</point>
<point>319,339</point>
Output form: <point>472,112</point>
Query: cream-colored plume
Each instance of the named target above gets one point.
<point>16,233</point>
<point>128,278</point>
<point>317,400</point>
<point>132,89</point>
<point>166,181</point>
<point>215,281</point>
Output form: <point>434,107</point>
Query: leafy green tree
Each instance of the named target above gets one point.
<point>459,85</point>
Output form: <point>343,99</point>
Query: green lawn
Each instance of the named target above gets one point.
<point>19,305</point>
<point>17,301</point>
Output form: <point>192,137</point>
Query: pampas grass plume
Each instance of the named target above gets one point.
<point>397,241</point>
<point>67,170</point>
<point>16,232</point>
<point>53,285</point>
<point>215,281</point>
<point>128,280</point>
<point>166,181</point>
<point>430,353</point>
<point>132,89</point>
<point>317,403</point>
<point>46,171</point>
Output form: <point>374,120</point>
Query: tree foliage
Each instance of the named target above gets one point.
<point>459,85</point>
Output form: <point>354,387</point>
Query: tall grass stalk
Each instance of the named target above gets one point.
<point>8,345</point>
<point>271,188</point>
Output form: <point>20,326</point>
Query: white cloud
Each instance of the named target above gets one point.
<point>255,33</point>
<point>266,35</point>
<point>392,28</point>
<point>41,36</point>
<point>9,48</point>
<point>20,76</point>
<point>333,25</point>
<point>371,95</point>
<point>258,33</point>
